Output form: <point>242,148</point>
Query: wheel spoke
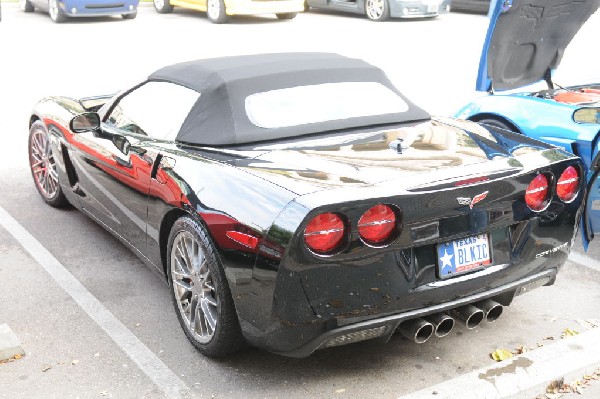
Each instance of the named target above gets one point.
<point>180,274</point>
<point>212,301</point>
<point>46,183</point>
<point>38,144</point>
<point>185,266</point>
<point>193,313</point>
<point>180,283</point>
<point>209,286</point>
<point>186,255</point>
<point>210,314</point>
<point>39,170</point>
<point>37,162</point>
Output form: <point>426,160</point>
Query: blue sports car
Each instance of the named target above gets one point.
<point>60,10</point>
<point>524,45</point>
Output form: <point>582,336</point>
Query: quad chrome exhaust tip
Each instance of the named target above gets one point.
<point>442,323</point>
<point>491,309</point>
<point>417,330</point>
<point>469,315</point>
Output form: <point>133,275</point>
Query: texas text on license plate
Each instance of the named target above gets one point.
<point>459,256</point>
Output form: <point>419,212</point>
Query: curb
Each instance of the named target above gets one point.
<point>9,344</point>
<point>525,375</point>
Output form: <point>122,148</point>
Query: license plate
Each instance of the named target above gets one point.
<point>432,8</point>
<point>465,254</point>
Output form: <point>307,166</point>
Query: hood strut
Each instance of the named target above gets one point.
<point>548,79</point>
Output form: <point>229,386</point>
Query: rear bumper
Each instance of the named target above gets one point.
<point>247,7</point>
<point>418,9</point>
<point>95,8</point>
<point>384,327</point>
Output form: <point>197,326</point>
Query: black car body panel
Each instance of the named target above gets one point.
<point>289,299</point>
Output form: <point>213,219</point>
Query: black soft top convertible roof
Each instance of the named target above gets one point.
<point>219,116</point>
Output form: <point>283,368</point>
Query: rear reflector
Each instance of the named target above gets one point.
<point>324,233</point>
<point>377,224</point>
<point>568,184</point>
<point>244,239</point>
<point>537,193</point>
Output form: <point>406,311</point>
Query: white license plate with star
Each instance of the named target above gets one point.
<point>463,255</point>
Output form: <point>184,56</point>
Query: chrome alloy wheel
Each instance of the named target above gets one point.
<point>375,9</point>
<point>159,4</point>
<point>43,164</point>
<point>193,287</point>
<point>213,9</point>
<point>22,4</point>
<point>53,9</point>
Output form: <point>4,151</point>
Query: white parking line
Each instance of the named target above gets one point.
<point>584,260</point>
<point>139,353</point>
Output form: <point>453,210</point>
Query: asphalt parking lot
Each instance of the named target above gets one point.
<point>69,353</point>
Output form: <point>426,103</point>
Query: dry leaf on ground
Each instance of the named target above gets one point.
<point>569,333</point>
<point>501,354</point>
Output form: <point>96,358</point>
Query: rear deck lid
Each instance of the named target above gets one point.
<point>526,40</point>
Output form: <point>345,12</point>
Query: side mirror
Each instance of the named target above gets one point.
<point>86,122</point>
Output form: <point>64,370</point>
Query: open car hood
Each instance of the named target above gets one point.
<point>526,40</point>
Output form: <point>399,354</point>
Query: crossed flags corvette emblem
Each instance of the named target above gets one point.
<point>472,202</point>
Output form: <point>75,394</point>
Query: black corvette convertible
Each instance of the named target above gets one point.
<point>299,201</point>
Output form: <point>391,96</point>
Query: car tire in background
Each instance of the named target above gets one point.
<point>43,166</point>
<point>56,14</point>
<point>162,6</point>
<point>377,10</point>
<point>286,15</point>
<point>200,292</point>
<point>498,123</point>
<point>129,16</point>
<point>26,6</point>
<point>216,12</point>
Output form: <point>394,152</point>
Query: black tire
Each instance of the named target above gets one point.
<point>381,16</point>
<point>56,14</point>
<point>54,197</point>
<point>129,16</point>
<point>162,6</point>
<point>226,337</point>
<point>216,11</point>
<point>286,15</point>
<point>26,6</point>
<point>498,123</point>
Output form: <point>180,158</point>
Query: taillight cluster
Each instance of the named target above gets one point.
<point>538,194</point>
<point>327,232</point>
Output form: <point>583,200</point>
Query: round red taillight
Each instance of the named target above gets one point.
<point>568,184</point>
<point>377,224</point>
<point>324,233</point>
<point>537,193</point>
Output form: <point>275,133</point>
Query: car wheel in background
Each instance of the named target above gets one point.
<point>377,10</point>
<point>26,6</point>
<point>216,11</point>
<point>129,16</point>
<point>43,166</point>
<point>286,15</point>
<point>498,123</point>
<point>56,14</point>
<point>162,6</point>
<point>200,292</point>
